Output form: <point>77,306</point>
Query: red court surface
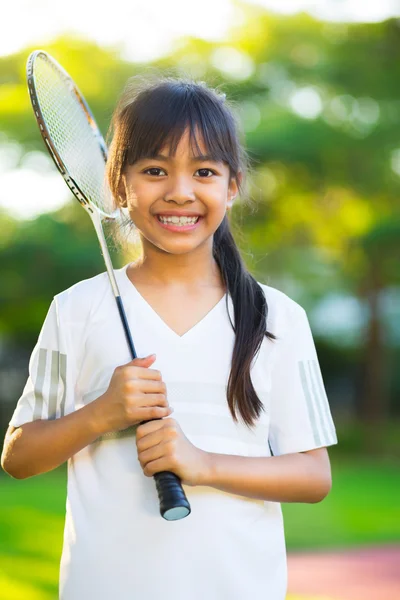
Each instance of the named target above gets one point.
<point>359,574</point>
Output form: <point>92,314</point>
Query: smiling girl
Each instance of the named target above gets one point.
<point>230,387</point>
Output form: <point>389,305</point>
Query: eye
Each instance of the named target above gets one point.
<point>210,170</point>
<point>153,169</point>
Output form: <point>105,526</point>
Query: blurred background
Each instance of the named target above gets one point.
<point>317,89</point>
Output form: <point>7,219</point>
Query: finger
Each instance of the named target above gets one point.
<point>156,466</point>
<point>159,427</point>
<point>138,372</point>
<point>142,360</point>
<point>146,427</point>
<point>151,413</point>
<point>149,386</point>
<point>146,443</point>
<point>148,399</point>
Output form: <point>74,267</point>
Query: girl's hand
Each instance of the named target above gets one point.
<point>162,446</point>
<point>135,393</point>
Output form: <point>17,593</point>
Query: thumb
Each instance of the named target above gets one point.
<point>142,361</point>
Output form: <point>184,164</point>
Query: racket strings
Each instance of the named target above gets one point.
<point>74,138</point>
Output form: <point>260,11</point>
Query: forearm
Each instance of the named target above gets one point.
<point>295,477</point>
<point>40,446</point>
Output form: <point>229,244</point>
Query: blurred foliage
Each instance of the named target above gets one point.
<point>320,110</point>
<point>47,255</point>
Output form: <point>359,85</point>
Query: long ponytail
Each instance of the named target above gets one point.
<point>250,315</point>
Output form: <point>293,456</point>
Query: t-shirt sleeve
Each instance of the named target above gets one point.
<point>44,394</point>
<point>300,416</point>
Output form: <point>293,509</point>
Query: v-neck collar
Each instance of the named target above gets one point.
<point>131,288</point>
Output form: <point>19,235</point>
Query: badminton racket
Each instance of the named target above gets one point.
<point>79,152</point>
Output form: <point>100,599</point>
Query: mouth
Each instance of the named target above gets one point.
<point>175,223</point>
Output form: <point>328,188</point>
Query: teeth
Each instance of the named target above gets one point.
<point>178,220</point>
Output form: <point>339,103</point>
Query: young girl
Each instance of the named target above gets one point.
<point>233,358</point>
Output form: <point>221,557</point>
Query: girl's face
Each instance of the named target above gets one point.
<point>173,186</point>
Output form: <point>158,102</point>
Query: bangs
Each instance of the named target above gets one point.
<point>161,118</point>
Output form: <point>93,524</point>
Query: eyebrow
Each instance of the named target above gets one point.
<point>162,157</point>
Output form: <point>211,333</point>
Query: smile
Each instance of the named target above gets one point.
<point>178,220</point>
<point>174,223</point>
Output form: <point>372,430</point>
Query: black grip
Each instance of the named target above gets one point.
<point>173,502</point>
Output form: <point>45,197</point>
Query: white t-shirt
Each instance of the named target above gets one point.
<point>116,544</point>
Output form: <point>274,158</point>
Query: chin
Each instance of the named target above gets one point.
<point>180,247</point>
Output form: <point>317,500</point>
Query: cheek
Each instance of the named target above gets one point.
<point>213,195</point>
<point>217,204</point>
<point>137,199</point>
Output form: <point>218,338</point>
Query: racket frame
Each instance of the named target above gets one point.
<point>95,213</point>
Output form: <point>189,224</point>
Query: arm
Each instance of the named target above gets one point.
<point>298,477</point>
<point>135,393</point>
<point>40,446</point>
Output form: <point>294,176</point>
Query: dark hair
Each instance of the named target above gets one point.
<point>155,110</point>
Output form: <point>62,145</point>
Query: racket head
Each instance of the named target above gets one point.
<point>70,133</point>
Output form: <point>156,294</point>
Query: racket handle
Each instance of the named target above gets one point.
<point>173,502</point>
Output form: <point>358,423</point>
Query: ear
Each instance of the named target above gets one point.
<point>122,193</point>
<point>233,190</point>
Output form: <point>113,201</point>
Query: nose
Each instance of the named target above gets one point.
<point>180,189</point>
